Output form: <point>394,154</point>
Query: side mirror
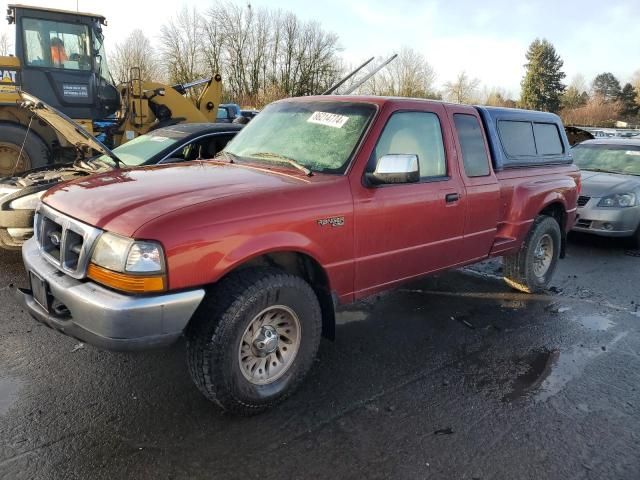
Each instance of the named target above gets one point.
<point>395,168</point>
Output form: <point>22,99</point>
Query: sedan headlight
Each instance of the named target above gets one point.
<point>128,265</point>
<point>28,202</point>
<point>618,200</point>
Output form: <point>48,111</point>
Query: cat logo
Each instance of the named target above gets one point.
<point>8,76</point>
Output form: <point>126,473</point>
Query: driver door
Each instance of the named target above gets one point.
<point>407,230</point>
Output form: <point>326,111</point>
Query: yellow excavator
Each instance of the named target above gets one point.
<point>60,58</point>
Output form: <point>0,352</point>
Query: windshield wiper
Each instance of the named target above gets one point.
<point>282,158</point>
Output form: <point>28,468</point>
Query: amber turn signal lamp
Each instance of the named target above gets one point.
<point>126,282</point>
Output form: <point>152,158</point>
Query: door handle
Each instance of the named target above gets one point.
<point>451,197</point>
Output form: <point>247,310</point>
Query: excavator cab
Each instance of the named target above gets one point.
<point>62,60</point>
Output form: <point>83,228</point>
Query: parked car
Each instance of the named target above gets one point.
<point>227,112</point>
<point>20,194</point>
<point>577,135</point>
<point>319,201</point>
<point>249,113</point>
<point>609,204</point>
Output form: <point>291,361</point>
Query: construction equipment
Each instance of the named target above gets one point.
<point>60,58</point>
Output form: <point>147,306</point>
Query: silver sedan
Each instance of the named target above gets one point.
<point>609,203</point>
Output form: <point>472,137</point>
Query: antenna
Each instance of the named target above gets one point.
<point>333,88</point>
<point>359,83</point>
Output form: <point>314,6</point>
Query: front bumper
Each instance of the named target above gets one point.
<point>102,317</point>
<point>608,222</point>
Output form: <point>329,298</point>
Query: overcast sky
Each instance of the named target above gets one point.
<point>486,38</point>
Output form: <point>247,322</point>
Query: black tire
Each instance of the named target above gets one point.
<point>519,270</point>
<point>35,153</point>
<point>215,334</point>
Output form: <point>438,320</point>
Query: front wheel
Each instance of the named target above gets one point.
<point>253,339</point>
<point>531,269</point>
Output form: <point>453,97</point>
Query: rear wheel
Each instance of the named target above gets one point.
<point>253,339</point>
<point>34,154</point>
<point>531,269</point>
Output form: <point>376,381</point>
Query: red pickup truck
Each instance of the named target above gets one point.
<point>319,201</point>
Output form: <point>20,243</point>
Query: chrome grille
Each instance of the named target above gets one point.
<point>64,241</point>
<point>582,200</point>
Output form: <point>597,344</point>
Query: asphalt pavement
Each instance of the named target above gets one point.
<point>451,377</point>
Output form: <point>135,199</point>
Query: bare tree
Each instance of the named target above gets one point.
<point>267,54</point>
<point>462,90</point>
<point>579,83</point>
<point>135,51</point>
<point>6,46</point>
<point>497,97</point>
<point>409,75</point>
<point>181,50</point>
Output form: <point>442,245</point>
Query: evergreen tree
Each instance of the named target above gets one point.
<point>542,84</point>
<point>607,86</point>
<point>572,98</point>
<point>628,99</point>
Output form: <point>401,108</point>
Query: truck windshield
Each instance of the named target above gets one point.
<point>319,135</point>
<point>608,158</point>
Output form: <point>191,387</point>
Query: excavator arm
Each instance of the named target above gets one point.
<point>150,105</point>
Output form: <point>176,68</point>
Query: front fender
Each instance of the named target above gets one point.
<point>266,243</point>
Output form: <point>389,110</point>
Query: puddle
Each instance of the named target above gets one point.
<point>595,322</point>
<point>540,367</point>
<point>9,388</point>
<point>349,316</point>
<point>550,370</point>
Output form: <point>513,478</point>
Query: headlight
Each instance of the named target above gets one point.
<point>618,200</point>
<point>128,265</point>
<point>111,252</point>
<point>122,254</point>
<point>28,202</point>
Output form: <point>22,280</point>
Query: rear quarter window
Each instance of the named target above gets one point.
<point>517,138</point>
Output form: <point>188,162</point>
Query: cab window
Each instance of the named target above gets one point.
<point>413,133</point>
<point>56,44</point>
<point>474,153</point>
<point>223,114</point>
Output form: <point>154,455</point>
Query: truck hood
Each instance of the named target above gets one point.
<point>601,184</point>
<point>122,201</point>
